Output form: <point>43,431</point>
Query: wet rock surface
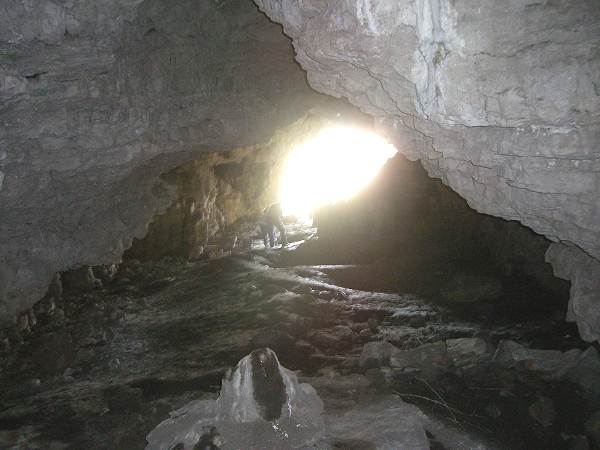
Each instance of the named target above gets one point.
<point>124,356</point>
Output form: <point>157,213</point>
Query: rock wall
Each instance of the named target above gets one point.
<point>416,233</point>
<point>214,192</point>
<point>99,98</point>
<point>220,195</point>
<point>498,99</point>
<point>571,264</point>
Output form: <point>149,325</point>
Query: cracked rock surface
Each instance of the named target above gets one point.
<point>98,99</point>
<point>499,100</point>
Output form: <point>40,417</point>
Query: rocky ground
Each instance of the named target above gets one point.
<point>102,368</point>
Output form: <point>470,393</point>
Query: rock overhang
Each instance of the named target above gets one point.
<point>499,101</point>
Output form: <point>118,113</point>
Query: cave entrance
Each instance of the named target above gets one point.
<point>404,290</point>
<point>332,166</point>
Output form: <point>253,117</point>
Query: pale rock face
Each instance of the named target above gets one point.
<point>500,100</point>
<point>584,272</point>
<point>97,98</point>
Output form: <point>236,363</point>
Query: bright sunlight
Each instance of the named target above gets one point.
<point>333,166</point>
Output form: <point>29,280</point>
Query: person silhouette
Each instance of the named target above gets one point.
<point>271,218</point>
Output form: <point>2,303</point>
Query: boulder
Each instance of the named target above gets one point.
<point>332,341</point>
<point>550,364</point>
<point>376,354</point>
<point>543,412</point>
<point>468,352</point>
<point>428,361</point>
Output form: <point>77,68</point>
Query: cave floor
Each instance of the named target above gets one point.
<point>122,357</point>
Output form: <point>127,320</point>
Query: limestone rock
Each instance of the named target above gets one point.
<point>468,352</point>
<point>98,101</point>
<point>550,364</point>
<point>592,428</point>
<point>376,354</point>
<point>332,341</point>
<point>399,425</point>
<point>584,273</point>
<point>507,117</point>
<point>428,361</point>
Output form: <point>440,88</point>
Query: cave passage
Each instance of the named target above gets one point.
<point>406,306</point>
<point>332,166</point>
<point>141,145</point>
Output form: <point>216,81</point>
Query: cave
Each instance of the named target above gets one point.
<point>448,300</point>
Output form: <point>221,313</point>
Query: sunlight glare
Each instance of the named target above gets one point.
<point>334,166</point>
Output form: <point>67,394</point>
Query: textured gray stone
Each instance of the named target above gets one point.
<point>468,352</point>
<point>376,354</point>
<point>584,272</point>
<point>398,426</point>
<point>549,364</point>
<point>98,98</point>
<point>498,99</point>
<point>428,361</point>
<point>586,372</point>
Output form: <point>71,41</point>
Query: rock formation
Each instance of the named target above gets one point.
<point>99,99</point>
<point>261,405</point>
<point>222,194</point>
<point>499,100</point>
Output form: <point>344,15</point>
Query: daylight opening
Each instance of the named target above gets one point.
<point>333,166</point>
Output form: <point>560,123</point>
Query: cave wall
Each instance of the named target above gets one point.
<point>419,234</point>
<point>498,99</point>
<point>220,195</point>
<point>99,98</point>
<point>214,193</point>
